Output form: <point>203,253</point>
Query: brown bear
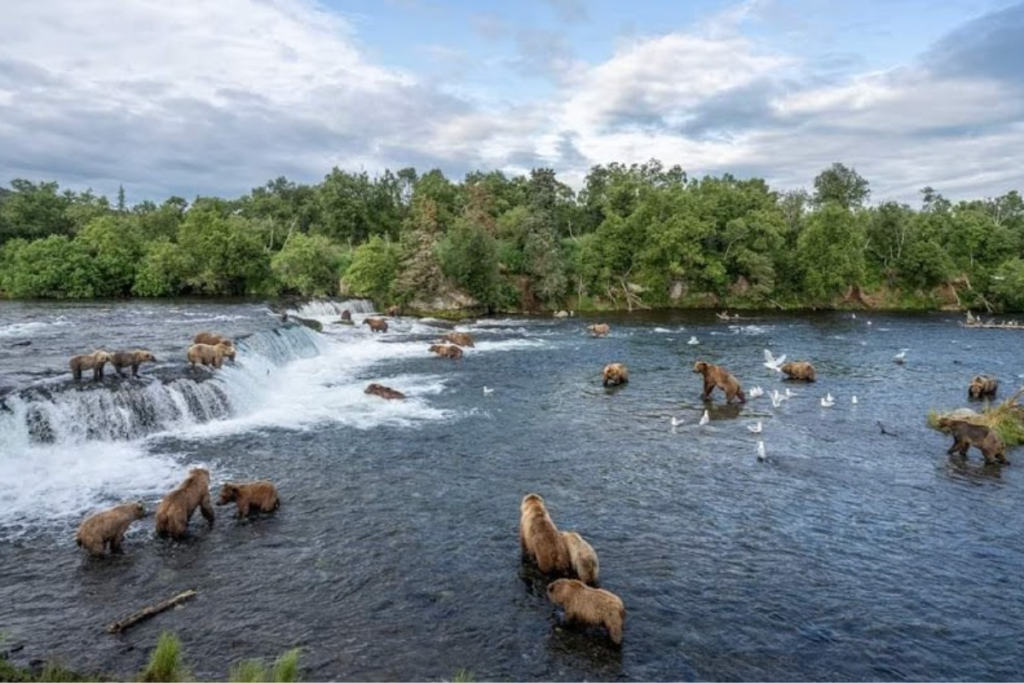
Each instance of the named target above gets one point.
<point>447,350</point>
<point>582,557</point>
<point>376,324</point>
<point>134,358</point>
<point>615,374</point>
<point>966,434</point>
<point>598,329</point>
<point>346,316</point>
<point>209,355</point>
<point>393,311</point>
<point>459,338</point>
<point>718,376</point>
<point>254,496</point>
<point>983,386</point>
<point>211,338</point>
<point>590,606</point>
<point>90,361</point>
<point>799,370</point>
<point>174,511</point>
<point>383,391</point>
<point>108,527</point>
<point>539,537</point>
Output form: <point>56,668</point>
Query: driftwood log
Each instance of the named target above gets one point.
<point>147,612</point>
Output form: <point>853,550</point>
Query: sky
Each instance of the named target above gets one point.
<point>201,97</point>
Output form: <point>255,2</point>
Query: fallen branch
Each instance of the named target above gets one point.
<point>147,612</point>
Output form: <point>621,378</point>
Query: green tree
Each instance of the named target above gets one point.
<point>223,254</point>
<point>373,270</point>
<point>52,267</point>
<point>841,185</point>
<point>308,264</point>
<point>163,270</point>
<point>469,257</point>
<point>832,250</point>
<point>116,247</point>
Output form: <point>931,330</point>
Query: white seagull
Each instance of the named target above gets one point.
<point>773,363</point>
<point>705,418</point>
<point>488,392</point>
<point>827,401</point>
<point>675,422</point>
<point>756,428</point>
<point>788,394</point>
<point>901,357</point>
<point>755,392</point>
<point>762,454</point>
<point>777,398</point>
<point>853,400</point>
<point>693,341</point>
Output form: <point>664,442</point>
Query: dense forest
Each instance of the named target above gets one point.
<point>633,236</point>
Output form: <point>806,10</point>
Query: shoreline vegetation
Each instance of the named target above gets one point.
<point>166,664</point>
<point>643,236</point>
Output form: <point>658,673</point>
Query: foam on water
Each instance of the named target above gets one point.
<point>27,329</point>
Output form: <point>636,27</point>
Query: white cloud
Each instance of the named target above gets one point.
<point>216,97</point>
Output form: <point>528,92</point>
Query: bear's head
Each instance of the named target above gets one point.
<point>531,500</point>
<point>136,509</point>
<point>200,473</point>
<point>145,356</point>
<point>227,350</point>
<point>701,367</point>
<point>228,494</point>
<point>102,357</point>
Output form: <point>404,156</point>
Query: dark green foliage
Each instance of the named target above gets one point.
<point>638,234</point>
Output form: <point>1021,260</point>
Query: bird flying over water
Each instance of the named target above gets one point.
<point>675,421</point>
<point>487,391</point>
<point>777,398</point>
<point>705,418</point>
<point>827,401</point>
<point>755,392</point>
<point>773,363</point>
<point>755,428</point>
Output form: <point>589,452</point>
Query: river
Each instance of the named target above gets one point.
<point>848,554</point>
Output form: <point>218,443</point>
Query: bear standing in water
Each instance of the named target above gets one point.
<point>590,606</point>
<point>174,511</point>
<point>108,527</point>
<point>718,376</point>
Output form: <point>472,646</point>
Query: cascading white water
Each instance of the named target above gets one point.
<point>324,308</point>
<point>76,413</point>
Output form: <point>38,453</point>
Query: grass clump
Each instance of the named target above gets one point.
<point>284,670</point>
<point>463,676</point>
<point>1006,418</point>
<point>165,663</point>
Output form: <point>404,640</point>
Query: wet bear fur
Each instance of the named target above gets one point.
<point>175,510</point>
<point>123,359</point>
<point>108,527</point>
<point>447,350</point>
<point>540,539</point>
<point>211,338</point>
<point>590,606</point>
<point>966,434</point>
<point>983,386</point>
<point>615,374</point>
<point>459,338</point>
<point>599,329</point>
<point>376,324</point>
<point>582,557</point>
<point>718,376</point>
<point>90,361</point>
<point>799,370</point>
<point>383,391</point>
<point>210,355</point>
<point>253,496</point>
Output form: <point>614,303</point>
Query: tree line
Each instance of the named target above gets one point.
<point>641,235</point>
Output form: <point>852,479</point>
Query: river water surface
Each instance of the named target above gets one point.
<point>847,555</point>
